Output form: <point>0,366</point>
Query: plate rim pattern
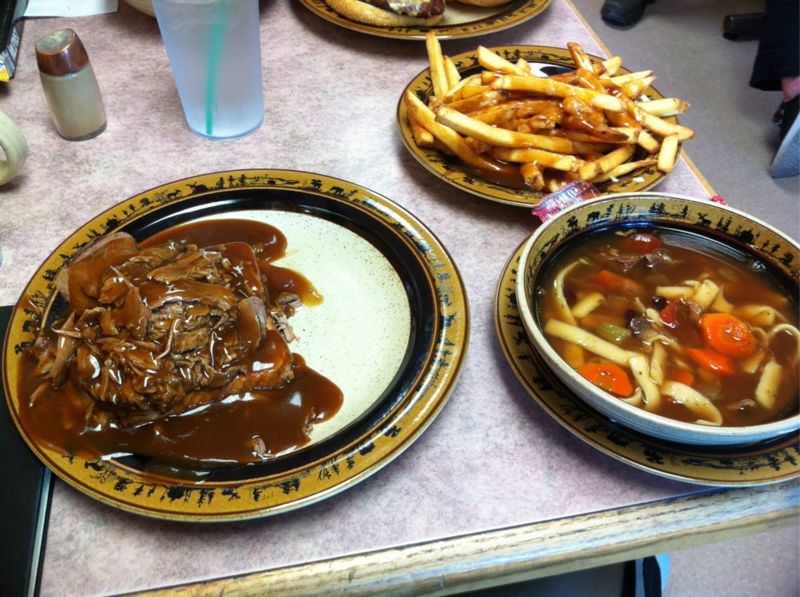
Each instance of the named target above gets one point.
<point>121,486</point>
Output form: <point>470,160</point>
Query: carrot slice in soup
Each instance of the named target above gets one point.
<point>681,376</point>
<point>640,243</point>
<point>728,334</point>
<point>711,360</point>
<point>617,283</point>
<point>611,378</point>
<point>646,243</point>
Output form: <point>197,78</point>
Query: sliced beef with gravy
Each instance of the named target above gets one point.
<point>165,329</point>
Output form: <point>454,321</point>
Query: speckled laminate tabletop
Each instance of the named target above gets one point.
<point>492,459</point>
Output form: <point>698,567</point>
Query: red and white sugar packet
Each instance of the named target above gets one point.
<point>573,193</point>
<point>570,194</point>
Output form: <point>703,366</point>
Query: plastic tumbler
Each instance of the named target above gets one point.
<point>214,51</point>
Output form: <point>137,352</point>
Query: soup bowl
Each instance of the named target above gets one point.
<point>713,221</point>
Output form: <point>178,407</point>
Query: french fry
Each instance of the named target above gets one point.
<point>632,133</point>
<point>635,88</point>
<point>478,145</point>
<point>570,78</point>
<point>504,138</point>
<point>603,132</point>
<point>455,92</point>
<point>664,128</point>
<point>606,163</point>
<point>625,135</point>
<point>529,107</point>
<point>492,62</point>
<point>624,169</point>
<point>611,66</point>
<point>532,175</point>
<point>422,136</point>
<point>584,138</point>
<point>656,124</point>
<point>599,100</point>
<point>523,127</point>
<point>579,57</point>
<point>549,118</point>
<point>495,116</point>
<point>474,88</point>
<point>647,142</point>
<point>437,68</point>
<point>668,153</point>
<point>554,183</point>
<point>522,107</point>
<point>450,138</point>
<point>546,159</point>
<point>589,80</point>
<point>439,146</point>
<point>621,80</point>
<point>668,106</point>
<point>487,99</point>
<point>451,72</point>
<point>581,125</point>
<point>488,76</point>
<point>584,119</point>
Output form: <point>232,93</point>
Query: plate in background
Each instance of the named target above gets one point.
<point>454,173</point>
<point>760,463</point>
<point>460,20</point>
<point>396,351</point>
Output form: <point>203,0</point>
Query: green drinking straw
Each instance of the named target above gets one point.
<point>213,62</point>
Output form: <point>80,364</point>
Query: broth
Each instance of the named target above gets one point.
<point>713,332</point>
<point>262,406</point>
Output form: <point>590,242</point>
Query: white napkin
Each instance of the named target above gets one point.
<point>70,8</point>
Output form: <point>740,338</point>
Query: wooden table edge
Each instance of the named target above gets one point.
<point>453,565</point>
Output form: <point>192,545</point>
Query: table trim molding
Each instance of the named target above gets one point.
<point>458,564</point>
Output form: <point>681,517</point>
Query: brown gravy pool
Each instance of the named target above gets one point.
<point>221,432</point>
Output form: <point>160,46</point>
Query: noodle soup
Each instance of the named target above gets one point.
<point>677,324</point>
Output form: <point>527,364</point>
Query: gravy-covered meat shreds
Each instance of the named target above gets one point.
<point>175,350</point>
<point>165,329</point>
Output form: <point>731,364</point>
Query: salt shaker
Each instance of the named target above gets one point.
<point>70,86</point>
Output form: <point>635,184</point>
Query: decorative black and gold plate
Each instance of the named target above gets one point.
<point>391,332</point>
<point>549,61</point>
<point>753,464</point>
<point>460,20</point>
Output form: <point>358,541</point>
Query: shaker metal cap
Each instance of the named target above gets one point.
<point>61,53</point>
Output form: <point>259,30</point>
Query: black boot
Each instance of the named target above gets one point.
<point>623,12</point>
<point>787,159</point>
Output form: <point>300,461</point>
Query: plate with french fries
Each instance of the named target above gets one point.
<point>460,19</point>
<point>515,123</point>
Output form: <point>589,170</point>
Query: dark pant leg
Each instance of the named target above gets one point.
<point>778,54</point>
